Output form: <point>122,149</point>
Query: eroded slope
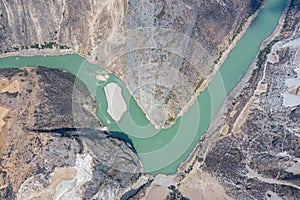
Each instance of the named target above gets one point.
<point>52,145</point>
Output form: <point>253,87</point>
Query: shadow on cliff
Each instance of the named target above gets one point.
<point>123,137</point>
<point>92,134</point>
<point>98,135</point>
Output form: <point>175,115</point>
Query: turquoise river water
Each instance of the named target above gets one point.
<point>162,151</point>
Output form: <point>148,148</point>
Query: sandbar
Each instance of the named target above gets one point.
<point>116,103</point>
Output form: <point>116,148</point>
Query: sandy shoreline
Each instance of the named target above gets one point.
<point>116,103</point>
<point>39,52</point>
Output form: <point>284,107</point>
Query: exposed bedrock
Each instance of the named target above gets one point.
<point>51,143</point>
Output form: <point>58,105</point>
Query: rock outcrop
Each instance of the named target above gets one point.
<point>52,145</point>
<point>164,50</point>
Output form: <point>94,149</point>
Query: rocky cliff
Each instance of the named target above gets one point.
<point>164,50</point>
<point>52,145</point>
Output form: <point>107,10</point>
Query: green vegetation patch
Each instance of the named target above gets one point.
<point>199,85</point>
<point>170,96</point>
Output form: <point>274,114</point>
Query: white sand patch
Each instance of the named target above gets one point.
<point>291,100</point>
<point>293,43</point>
<point>273,196</point>
<point>295,167</point>
<point>291,97</point>
<point>102,76</point>
<point>297,134</point>
<point>65,183</point>
<point>297,70</point>
<point>3,113</point>
<point>116,103</point>
<point>71,189</point>
<point>292,82</point>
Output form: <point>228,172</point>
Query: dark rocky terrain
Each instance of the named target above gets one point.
<point>52,144</point>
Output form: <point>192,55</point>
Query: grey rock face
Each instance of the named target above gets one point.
<point>47,154</point>
<point>295,115</point>
<point>54,109</point>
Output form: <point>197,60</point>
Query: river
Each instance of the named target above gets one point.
<point>162,151</point>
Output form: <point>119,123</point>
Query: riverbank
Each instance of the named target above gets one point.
<point>204,145</point>
<point>191,160</point>
<point>39,52</point>
<point>221,61</point>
